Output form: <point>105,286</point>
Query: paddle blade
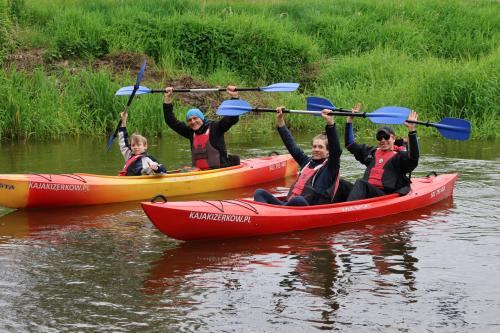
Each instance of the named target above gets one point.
<point>233,107</point>
<point>280,87</point>
<point>128,91</point>
<point>319,103</point>
<point>111,139</point>
<point>141,73</point>
<point>454,128</point>
<point>391,115</point>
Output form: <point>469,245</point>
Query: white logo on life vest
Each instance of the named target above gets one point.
<point>7,187</point>
<point>438,191</point>
<point>352,208</point>
<point>381,160</point>
<point>219,217</point>
<point>59,187</point>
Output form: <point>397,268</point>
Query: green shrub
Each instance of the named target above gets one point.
<point>77,35</point>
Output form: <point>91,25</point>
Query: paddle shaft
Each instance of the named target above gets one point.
<point>115,133</point>
<point>202,90</point>
<point>443,126</point>
<point>337,112</point>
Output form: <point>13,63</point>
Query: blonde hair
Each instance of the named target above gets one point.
<point>321,137</point>
<point>138,138</point>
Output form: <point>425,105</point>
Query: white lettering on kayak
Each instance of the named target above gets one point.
<point>219,217</point>
<point>353,208</point>
<point>277,166</point>
<point>438,191</point>
<point>59,187</point>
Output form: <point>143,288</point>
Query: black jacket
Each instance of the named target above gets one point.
<point>326,177</point>
<point>217,130</point>
<point>396,170</point>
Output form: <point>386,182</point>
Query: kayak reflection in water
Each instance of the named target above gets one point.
<point>387,165</point>
<point>319,181</point>
<point>137,160</point>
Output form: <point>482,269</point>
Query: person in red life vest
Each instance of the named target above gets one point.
<point>388,165</point>
<point>319,181</point>
<point>137,160</point>
<point>208,148</point>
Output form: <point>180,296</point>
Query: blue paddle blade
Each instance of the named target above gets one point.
<point>280,87</point>
<point>233,107</point>
<point>391,115</point>
<point>141,73</point>
<point>129,89</point>
<point>319,103</point>
<point>454,128</point>
<point>111,139</point>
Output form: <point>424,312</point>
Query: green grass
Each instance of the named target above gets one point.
<point>441,58</point>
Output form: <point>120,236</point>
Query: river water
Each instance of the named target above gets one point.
<point>107,269</point>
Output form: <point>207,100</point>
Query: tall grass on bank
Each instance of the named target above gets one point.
<point>40,106</point>
<point>451,29</point>
<point>438,57</point>
<point>436,88</point>
<point>5,30</point>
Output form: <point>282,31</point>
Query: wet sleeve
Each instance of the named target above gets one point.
<point>413,149</point>
<point>123,143</point>
<point>298,154</point>
<point>172,122</point>
<point>334,150</point>
<point>408,160</point>
<point>226,123</point>
<point>348,135</point>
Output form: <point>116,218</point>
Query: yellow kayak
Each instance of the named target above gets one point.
<point>77,189</point>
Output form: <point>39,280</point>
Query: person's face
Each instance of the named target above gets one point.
<point>319,149</point>
<point>385,141</point>
<point>194,122</point>
<point>138,147</point>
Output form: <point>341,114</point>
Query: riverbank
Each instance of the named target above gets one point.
<point>63,62</point>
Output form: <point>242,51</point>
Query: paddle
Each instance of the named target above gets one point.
<point>450,128</point>
<point>391,115</point>
<point>277,87</point>
<point>384,115</point>
<point>133,93</point>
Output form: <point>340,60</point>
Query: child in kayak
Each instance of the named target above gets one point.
<point>387,164</point>
<point>137,160</point>
<point>319,179</point>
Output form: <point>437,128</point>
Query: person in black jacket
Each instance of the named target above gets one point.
<point>208,148</point>
<point>319,180</point>
<point>387,165</point>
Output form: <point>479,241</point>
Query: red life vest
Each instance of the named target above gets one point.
<point>305,174</point>
<point>204,155</point>
<point>377,171</point>
<point>129,162</point>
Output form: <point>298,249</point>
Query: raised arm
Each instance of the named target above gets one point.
<point>168,113</point>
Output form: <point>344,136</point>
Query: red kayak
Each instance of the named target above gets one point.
<point>195,220</point>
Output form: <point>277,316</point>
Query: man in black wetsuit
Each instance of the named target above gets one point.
<point>319,179</point>
<point>208,148</point>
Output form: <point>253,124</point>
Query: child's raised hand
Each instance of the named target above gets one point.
<point>124,116</point>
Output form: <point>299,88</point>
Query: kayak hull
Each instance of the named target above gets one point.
<point>59,190</point>
<point>196,220</point>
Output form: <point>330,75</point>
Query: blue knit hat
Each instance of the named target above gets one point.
<point>195,112</point>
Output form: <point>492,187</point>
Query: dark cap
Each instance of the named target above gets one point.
<point>385,129</point>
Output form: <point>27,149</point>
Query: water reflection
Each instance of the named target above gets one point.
<point>106,268</point>
<point>322,263</point>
